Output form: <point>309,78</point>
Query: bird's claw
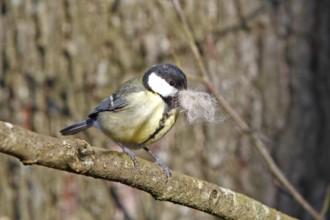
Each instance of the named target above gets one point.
<point>130,154</point>
<point>160,162</point>
<point>164,167</point>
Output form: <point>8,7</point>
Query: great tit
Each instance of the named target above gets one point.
<point>141,111</point>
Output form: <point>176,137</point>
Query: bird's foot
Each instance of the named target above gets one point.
<point>160,162</point>
<point>130,154</point>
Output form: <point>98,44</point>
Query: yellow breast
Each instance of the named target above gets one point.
<point>143,121</point>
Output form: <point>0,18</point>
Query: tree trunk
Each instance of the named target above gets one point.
<point>303,145</point>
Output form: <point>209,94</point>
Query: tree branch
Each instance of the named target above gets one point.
<point>77,156</point>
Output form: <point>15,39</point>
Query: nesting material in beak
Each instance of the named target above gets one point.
<point>198,106</point>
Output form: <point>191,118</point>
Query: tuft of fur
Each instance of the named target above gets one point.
<point>198,106</point>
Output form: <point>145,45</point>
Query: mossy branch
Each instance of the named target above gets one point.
<point>77,156</point>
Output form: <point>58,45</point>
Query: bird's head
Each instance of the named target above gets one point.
<point>166,80</point>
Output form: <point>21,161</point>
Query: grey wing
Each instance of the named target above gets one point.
<point>111,103</point>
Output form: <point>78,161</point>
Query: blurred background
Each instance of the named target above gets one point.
<point>269,58</point>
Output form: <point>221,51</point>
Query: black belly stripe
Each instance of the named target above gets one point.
<point>171,103</point>
<point>161,125</point>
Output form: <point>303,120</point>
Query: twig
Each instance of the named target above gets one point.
<point>326,203</point>
<point>77,156</point>
<point>275,170</point>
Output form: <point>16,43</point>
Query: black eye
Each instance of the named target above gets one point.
<point>172,83</point>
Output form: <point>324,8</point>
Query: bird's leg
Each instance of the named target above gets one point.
<point>159,162</point>
<point>129,153</point>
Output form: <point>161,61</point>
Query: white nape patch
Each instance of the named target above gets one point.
<point>160,86</point>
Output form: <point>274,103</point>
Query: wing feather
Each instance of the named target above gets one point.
<point>110,103</point>
<point>116,102</point>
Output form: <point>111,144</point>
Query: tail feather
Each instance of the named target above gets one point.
<point>77,127</point>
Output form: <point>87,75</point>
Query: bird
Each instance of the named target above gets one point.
<point>139,112</point>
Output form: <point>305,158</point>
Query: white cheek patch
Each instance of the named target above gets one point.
<point>160,86</point>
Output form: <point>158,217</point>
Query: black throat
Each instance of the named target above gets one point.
<point>171,102</point>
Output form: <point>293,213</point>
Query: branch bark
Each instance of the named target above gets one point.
<point>77,156</point>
